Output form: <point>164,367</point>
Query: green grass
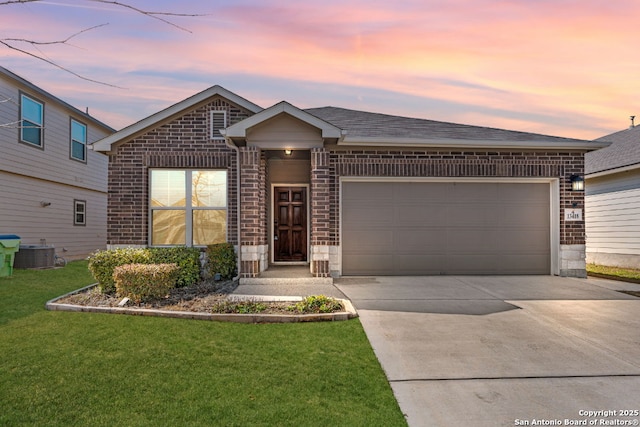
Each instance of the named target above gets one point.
<point>614,272</point>
<point>77,369</point>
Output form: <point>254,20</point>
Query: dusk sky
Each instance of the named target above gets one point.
<point>560,67</point>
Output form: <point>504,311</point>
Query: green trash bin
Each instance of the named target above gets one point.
<point>9,245</point>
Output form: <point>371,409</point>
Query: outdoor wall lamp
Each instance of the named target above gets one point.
<point>287,152</point>
<point>577,183</point>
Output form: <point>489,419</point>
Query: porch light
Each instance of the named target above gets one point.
<point>287,152</point>
<point>577,183</point>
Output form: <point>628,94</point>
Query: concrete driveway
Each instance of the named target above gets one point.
<point>504,351</point>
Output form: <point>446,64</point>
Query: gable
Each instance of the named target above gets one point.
<point>177,110</point>
<point>283,122</point>
<point>284,130</point>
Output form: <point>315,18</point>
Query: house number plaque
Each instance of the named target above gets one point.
<point>573,214</point>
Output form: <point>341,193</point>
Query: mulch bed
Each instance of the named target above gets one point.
<point>199,298</point>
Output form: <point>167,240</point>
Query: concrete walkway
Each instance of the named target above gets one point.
<point>504,351</point>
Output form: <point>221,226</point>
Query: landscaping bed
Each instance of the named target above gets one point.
<point>210,301</point>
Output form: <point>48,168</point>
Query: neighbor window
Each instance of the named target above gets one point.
<point>31,121</point>
<point>218,122</point>
<point>79,212</point>
<point>78,141</point>
<point>188,207</point>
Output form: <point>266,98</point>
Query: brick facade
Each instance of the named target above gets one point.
<point>457,164</point>
<point>185,143</point>
<point>182,143</point>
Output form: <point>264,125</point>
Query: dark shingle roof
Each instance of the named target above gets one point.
<point>374,125</point>
<point>624,151</point>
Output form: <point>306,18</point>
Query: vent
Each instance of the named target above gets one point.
<point>218,122</point>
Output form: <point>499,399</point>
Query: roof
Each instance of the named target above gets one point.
<point>622,154</point>
<point>364,128</point>
<point>44,94</point>
<point>351,127</point>
<point>153,120</point>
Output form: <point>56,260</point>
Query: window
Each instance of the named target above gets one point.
<point>188,207</point>
<point>79,212</point>
<point>31,121</point>
<point>78,141</point>
<point>218,122</point>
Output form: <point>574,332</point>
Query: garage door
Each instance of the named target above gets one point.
<point>401,228</point>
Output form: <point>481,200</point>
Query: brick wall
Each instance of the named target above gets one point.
<point>181,143</point>
<point>511,164</point>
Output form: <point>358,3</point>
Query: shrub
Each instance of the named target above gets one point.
<point>239,307</point>
<point>317,304</point>
<point>144,282</point>
<point>222,259</point>
<point>187,260</point>
<point>103,263</point>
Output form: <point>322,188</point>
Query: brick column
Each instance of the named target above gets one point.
<point>253,231</point>
<point>320,213</point>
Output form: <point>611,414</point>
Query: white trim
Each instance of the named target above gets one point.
<point>554,204</point>
<point>220,136</point>
<point>105,144</point>
<point>239,130</point>
<point>613,171</point>
<point>472,143</point>
<point>270,229</point>
<point>188,208</point>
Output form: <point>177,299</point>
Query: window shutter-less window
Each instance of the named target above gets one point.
<point>218,122</point>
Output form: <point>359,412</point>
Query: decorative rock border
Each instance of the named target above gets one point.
<point>349,312</point>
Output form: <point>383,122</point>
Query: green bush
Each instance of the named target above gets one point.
<point>238,307</point>
<point>187,260</point>
<point>317,304</point>
<point>222,259</point>
<point>102,264</point>
<point>144,282</point>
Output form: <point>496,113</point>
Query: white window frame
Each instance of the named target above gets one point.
<point>188,209</point>
<point>76,212</point>
<point>215,134</point>
<point>24,96</point>
<point>71,140</point>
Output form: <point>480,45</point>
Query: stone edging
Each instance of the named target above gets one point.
<point>349,312</point>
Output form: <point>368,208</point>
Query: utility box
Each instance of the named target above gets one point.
<point>35,256</point>
<point>9,245</point>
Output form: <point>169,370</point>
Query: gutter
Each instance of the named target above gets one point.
<point>613,171</point>
<point>235,148</point>
<point>471,143</point>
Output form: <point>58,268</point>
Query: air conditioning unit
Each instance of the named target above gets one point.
<point>34,256</point>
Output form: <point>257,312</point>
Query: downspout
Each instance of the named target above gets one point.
<point>231,145</point>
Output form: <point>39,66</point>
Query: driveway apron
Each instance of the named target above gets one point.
<point>504,350</point>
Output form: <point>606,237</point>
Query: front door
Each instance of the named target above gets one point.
<point>290,224</point>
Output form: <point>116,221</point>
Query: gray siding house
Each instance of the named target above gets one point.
<point>54,189</point>
<point>613,201</point>
<point>346,192</point>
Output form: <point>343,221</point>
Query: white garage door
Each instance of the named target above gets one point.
<point>413,228</point>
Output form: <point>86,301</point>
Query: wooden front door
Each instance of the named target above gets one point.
<point>290,224</point>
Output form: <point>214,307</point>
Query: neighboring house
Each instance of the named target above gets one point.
<point>346,192</point>
<point>53,189</point>
<point>613,201</point>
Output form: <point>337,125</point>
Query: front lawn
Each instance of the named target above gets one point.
<point>616,273</point>
<point>61,368</point>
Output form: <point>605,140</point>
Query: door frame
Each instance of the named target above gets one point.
<point>270,229</point>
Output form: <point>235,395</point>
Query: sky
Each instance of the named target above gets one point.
<point>557,67</point>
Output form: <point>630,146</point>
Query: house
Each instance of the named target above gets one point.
<point>54,190</point>
<point>346,192</point>
<point>613,201</point>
